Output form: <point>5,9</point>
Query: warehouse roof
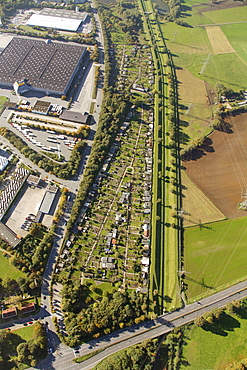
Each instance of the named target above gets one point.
<point>65,24</point>
<point>48,66</point>
<point>62,13</point>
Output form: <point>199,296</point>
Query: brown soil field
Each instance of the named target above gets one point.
<point>220,5</point>
<point>219,167</point>
<point>194,201</point>
<point>218,40</point>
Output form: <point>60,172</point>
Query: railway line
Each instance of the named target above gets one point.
<point>165,262</point>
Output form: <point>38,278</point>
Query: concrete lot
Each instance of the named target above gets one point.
<point>27,202</point>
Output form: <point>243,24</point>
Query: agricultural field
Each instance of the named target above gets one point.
<point>212,50</point>
<point>219,42</point>
<point>215,255</point>
<point>194,201</point>
<point>231,15</point>
<point>219,167</point>
<point>226,49</point>
<point>216,345</point>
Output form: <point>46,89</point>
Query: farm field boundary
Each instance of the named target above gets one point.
<point>198,208</point>
<point>236,14</point>
<point>215,255</point>
<point>219,42</point>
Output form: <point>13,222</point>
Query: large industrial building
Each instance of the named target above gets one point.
<point>49,67</point>
<point>59,19</point>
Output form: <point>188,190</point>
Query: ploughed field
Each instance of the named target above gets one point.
<point>219,167</point>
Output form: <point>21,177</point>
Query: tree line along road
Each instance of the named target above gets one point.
<point>61,359</point>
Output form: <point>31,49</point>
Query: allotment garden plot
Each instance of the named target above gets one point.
<point>114,241</point>
<point>135,68</point>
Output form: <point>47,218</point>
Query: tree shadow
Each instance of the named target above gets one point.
<point>167,299</point>
<point>214,329</point>
<point>228,322</point>
<point>225,324</point>
<point>225,127</point>
<point>183,138</point>
<point>201,151</point>
<point>183,123</point>
<point>241,312</point>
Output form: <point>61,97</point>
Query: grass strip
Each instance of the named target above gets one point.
<point>91,109</point>
<point>85,357</point>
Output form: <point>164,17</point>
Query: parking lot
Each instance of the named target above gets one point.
<point>39,140</point>
<point>28,202</point>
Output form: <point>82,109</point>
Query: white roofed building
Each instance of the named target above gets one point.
<point>59,19</point>
<point>64,24</point>
<point>3,163</point>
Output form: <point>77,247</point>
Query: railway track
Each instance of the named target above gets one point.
<point>164,238</point>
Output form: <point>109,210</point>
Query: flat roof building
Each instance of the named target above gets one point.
<point>77,117</point>
<point>8,235</point>
<point>42,66</point>
<point>47,202</point>
<point>30,307</point>
<point>60,19</point>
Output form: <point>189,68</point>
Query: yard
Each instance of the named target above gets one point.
<point>7,270</point>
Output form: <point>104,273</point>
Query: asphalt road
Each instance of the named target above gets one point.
<point>61,356</point>
<point>61,359</point>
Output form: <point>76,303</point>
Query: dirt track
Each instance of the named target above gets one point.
<point>219,168</point>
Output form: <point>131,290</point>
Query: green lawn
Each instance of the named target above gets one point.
<point>19,336</point>
<point>195,123</point>
<point>189,40</point>
<point>237,14</point>
<point>7,270</point>
<point>235,32</point>
<point>215,255</point>
<point>25,333</point>
<point>3,99</point>
<point>217,345</point>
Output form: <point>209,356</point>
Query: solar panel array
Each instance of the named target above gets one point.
<point>47,66</point>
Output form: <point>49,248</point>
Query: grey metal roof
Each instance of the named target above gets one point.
<point>47,202</point>
<point>45,65</point>
<point>8,235</point>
